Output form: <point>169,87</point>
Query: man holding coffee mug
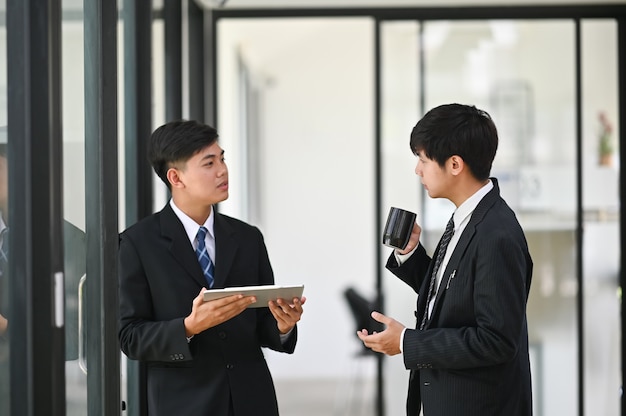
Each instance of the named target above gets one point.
<point>468,354</point>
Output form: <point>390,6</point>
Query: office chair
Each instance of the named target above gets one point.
<point>361,309</point>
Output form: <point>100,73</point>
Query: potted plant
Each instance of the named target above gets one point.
<point>606,147</point>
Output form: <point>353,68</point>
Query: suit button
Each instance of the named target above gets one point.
<point>230,366</point>
<point>222,335</point>
<point>427,383</point>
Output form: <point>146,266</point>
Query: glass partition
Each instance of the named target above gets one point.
<point>296,119</point>
<point>523,74</point>
<point>601,222</point>
<point>5,389</point>
<point>73,99</point>
<point>400,110</point>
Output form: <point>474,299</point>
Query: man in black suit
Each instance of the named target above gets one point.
<point>469,352</point>
<point>74,270</point>
<point>203,358</point>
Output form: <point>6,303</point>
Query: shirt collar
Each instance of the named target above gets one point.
<point>191,227</point>
<point>466,208</point>
<point>3,225</point>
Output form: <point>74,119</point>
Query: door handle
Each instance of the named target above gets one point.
<point>82,359</point>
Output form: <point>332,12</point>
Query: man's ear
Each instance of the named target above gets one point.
<point>173,176</point>
<point>456,164</point>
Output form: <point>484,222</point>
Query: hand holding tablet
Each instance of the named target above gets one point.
<point>263,294</point>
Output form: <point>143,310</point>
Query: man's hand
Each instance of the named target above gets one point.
<point>206,315</point>
<point>414,240</point>
<point>4,324</point>
<point>287,314</point>
<point>387,341</point>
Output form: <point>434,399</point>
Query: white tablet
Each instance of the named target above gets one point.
<point>263,293</point>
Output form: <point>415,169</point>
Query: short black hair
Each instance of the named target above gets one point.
<point>177,141</point>
<point>457,129</point>
<point>3,141</point>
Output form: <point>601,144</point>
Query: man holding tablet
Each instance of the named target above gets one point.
<point>202,357</point>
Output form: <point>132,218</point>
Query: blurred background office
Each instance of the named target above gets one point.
<point>314,101</point>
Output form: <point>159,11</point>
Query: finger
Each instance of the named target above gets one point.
<point>201,294</point>
<point>235,300</point>
<point>286,306</point>
<point>288,312</point>
<point>198,301</point>
<point>379,317</point>
<point>234,308</point>
<point>277,311</point>
<point>241,301</point>
<point>296,305</point>
<point>280,319</point>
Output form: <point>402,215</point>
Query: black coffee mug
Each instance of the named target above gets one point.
<point>398,228</point>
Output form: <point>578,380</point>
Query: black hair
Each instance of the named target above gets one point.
<point>177,141</point>
<point>457,129</point>
<point>3,141</point>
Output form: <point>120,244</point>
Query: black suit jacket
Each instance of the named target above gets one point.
<point>222,369</point>
<point>472,358</point>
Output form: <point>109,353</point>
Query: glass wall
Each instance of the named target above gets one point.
<point>601,222</point>
<point>73,98</point>
<point>311,165</point>
<point>523,74</point>
<point>5,390</point>
<point>302,169</point>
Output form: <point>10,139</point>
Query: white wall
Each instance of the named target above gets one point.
<point>316,170</point>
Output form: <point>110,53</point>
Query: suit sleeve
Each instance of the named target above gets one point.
<point>141,337</point>
<point>493,317</point>
<point>413,270</point>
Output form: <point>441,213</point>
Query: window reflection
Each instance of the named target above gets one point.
<point>4,298</point>
<point>4,277</point>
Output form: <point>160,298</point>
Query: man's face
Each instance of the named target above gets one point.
<point>204,177</point>
<point>436,179</point>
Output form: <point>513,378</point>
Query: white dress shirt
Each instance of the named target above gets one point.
<point>191,228</point>
<point>462,217</point>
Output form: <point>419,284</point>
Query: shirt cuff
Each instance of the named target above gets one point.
<point>401,258</point>
<point>402,341</point>
<point>284,337</point>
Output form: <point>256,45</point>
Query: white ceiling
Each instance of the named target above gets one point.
<point>262,4</point>
<point>232,4</point>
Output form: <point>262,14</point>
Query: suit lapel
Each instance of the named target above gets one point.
<point>180,247</point>
<point>459,250</point>
<point>225,248</point>
<point>450,272</point>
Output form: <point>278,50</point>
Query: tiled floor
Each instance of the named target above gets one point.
<point>346,397</point>
<point>352,396</point>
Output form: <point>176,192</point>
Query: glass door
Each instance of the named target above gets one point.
<point>74,227</point>
<point>58,302</point>
<point>5,391</point>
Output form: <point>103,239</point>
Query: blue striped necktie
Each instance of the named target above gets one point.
<point>203,257</point>
<point>4,250</point>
